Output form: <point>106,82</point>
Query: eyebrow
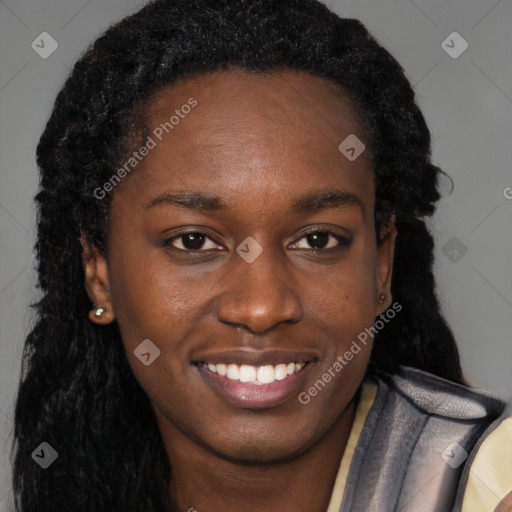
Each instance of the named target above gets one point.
<point>189,199</point>
<point>194,200</point>
<point>327,200</point>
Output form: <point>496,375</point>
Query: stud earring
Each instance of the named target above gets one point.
<point>99,311</point>
<point>381,298</point>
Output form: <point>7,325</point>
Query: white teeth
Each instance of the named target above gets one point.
<point>233,372</point>
<point>257,375</point>
<point>266,374</point>
<point>280,372</point>
<point>247,373</point>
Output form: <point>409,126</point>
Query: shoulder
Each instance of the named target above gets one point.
<point>418,443</point>
<point>486,479</point>
<point>434,395</point>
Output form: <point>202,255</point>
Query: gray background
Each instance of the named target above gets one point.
<point>467,102</point>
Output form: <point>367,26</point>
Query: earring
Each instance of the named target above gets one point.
<point>381,298</point>
<point>99,311</point>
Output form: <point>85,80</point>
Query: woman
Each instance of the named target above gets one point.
<point>239,310</point>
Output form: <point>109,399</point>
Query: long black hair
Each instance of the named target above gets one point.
<point>77,391</point>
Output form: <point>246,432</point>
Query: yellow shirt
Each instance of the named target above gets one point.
<point>490,477</point>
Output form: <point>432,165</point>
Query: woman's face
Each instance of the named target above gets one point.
<point>244,236</point>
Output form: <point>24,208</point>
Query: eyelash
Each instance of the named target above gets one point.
<point>343,242</point>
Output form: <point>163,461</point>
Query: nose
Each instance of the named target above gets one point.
<point>258,296</point>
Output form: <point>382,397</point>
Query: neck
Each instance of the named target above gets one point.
<point>203,482</point>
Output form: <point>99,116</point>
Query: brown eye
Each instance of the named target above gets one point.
<point>321,240</point>
<point>318,240</point>
<point>193,241</point>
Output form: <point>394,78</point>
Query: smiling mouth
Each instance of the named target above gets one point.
<point>255,375</point>
<point>255,379</point>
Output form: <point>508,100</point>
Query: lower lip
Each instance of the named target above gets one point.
<point>254,396</point>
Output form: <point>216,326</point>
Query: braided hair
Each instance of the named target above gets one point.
<point>77,391</point>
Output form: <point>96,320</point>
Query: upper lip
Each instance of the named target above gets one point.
<point>256,357</point>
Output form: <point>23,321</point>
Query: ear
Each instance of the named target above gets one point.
<point>384,269</point>
<point>96,282</point>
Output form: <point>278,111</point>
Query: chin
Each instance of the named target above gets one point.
<point>255,451</point>
<point>260,456</point>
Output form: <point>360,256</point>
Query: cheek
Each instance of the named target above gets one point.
<point>343,303</point>
<point>153,311</point>
<point>344,294</point>
<point>156,301</point>
<point>151,303</point>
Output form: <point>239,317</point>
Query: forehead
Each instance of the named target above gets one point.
<point>291,93</point>
<point>238,105</point>
<point>275,134</point>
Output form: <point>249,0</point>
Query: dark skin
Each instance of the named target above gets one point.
<point>258,142</point>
